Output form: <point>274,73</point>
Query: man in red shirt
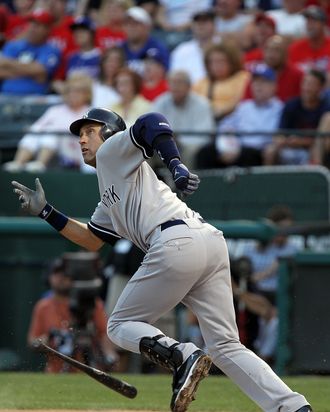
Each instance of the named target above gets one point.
<point>265,27</point>
<point>61,34</point>
<point>288,77</point>
<point>19,20</point>
<point>312,51</point>
<point>110,31</point>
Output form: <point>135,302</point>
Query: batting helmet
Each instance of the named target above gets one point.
<point>111,121</point>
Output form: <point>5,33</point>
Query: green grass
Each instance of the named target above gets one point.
<point>78,391</point>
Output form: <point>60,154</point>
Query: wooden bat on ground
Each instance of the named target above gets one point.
<point>115,384</point>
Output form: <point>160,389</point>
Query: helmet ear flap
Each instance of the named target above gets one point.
<point>106,132</point>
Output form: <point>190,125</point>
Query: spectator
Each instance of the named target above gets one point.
<point>264,28</point>
<point>27,65</point>
<point>132,104</point>
<point>312,51</point>
<point>226,79</point>
<point>151,7</point>
<point>110,30</point>
<point>303,112</point>
<point>60,34</point>
<point>230,21</point>
<point>104,92</point>
<point>87,57</point>
<point>174,19</point>
<point>186,111</point>
<point>288,76</point>
<point>138,25</point>
<point>35,152</point>
<point>260,113</point>
<point>189,55</point>
<point>19,20</point>
<point>177,17</point>
<point>265,256</point>
<point>55,322</point>
<point>154,75</point>
<point>290,23</point>
<point>324,4</point>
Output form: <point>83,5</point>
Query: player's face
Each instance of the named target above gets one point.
<point>90,140</point>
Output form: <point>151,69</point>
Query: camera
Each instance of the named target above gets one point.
<point>83,268</point>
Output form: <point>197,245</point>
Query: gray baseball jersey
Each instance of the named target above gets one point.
<point>133,200</point>
<point>184,263</point>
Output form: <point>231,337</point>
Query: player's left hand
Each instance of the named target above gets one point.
<point>184,180</point>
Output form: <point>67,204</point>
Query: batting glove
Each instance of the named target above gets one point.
<point>185,181</point>
<point>33,201</point>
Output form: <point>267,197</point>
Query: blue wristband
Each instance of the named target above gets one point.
<point>173,164</point>
<point>55,218</point>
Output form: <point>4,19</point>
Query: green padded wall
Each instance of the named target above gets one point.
<point>73,193</point>
<point>223,195</point>
<point>304,308</point>
<point>249,193</point>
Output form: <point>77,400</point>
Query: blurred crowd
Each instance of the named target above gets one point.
<point>242,82</point>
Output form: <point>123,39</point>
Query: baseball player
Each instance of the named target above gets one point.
<point>186,258</point>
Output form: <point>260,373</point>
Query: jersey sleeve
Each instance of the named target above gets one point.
<point>123,153</point>
<point>101,226</point>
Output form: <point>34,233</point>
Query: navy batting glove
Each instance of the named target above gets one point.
<point>184,181</point>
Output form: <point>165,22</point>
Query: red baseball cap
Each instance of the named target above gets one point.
<point>41,16</point>
<point>266,19</point>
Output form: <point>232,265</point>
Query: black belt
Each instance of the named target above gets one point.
<point>175,222</point>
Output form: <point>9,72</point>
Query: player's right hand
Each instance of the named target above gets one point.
<point>185,181</point>
<point>33,201</point>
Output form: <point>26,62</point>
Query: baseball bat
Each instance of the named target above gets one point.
<point>115,384</point>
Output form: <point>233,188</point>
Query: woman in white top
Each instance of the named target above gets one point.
<point>36,150</point>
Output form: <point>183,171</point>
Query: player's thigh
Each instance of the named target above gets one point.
<point>211,299</point>
<point>164,278</point>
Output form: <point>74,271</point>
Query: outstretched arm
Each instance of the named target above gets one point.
<point>79,233</point>
<point>34,201</point>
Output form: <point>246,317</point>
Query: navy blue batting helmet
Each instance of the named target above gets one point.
<point>111,121</point>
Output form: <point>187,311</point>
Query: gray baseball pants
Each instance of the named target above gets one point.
<point>189,263</point>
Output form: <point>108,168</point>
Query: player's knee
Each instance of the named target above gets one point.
<point>223,349</point>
